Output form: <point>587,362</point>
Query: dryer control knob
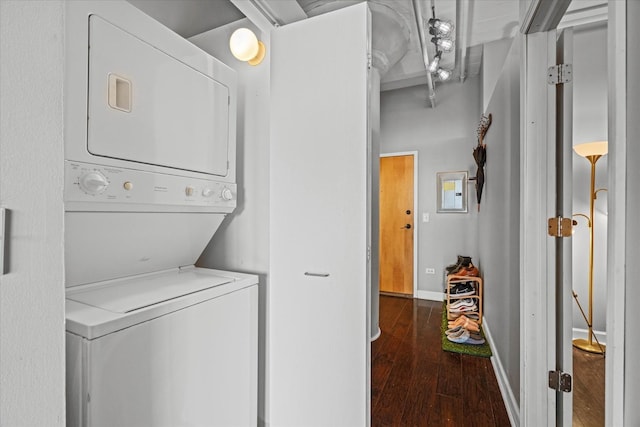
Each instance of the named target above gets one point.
<point>226,194</point>
<point>93,183</point>
<point>207,192</point>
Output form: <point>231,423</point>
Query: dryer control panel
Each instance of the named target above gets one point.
<point>129,189</point>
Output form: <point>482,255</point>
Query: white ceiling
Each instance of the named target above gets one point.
<point>190,17</point>
<point>477,22</point>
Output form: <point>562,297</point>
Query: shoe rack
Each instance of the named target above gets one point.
<point>452,280</point>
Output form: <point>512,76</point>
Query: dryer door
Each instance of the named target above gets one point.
<point>146,106</point>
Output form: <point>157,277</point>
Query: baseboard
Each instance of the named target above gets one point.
<point>510,402</point>
<point>583,334</point>
<point>430,295</point>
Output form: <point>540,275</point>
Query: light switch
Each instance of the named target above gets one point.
<point>425,216</point>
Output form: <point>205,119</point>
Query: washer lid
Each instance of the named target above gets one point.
<point>127,295</point>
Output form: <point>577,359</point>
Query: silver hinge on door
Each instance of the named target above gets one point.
<point>559,74</point>
<point>560,381</point>
<point>369,60</point>
<point>560,227</point>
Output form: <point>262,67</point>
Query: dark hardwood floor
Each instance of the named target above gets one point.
<point>588,389</point>
<point>415,383</point>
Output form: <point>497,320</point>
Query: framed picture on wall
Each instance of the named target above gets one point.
<point>452,191</point>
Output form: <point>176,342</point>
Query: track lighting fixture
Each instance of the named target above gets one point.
<point>433,66</point>
<point>440,27</point>
<point>443,74</point>
<point>446,45</point>
<point>441,31</point>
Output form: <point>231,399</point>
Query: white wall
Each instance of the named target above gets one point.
<point>32,385</point>
<point>444,138</point>
<point>494,55</point>
<point>242,242</point>
<point>498,227</point>
<point>590,124</point>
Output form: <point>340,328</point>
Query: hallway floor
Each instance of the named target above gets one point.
<point>415,383</point>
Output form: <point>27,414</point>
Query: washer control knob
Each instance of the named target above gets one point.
<point>188,191</point>
<point>128,185</point>
<point>93,183</point>
<point>207,192</point>
<point>226,194</point>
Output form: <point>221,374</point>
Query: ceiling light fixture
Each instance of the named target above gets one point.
<point>443,74</point>
<point>441,31</point>
<point>446,45</point>
<point>440,27</point>
<point>433,66</point>
<point>245,46</point>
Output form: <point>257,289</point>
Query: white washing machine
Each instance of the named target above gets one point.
<point>172,348</point>
<point>150,122</point>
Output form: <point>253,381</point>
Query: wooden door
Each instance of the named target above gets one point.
<point>318,303</point>
<point>396,224</point>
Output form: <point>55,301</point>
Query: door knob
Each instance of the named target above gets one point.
<point>408,226</point>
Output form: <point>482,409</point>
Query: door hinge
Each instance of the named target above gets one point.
<point>560,227</point>
<point>559,74</point>
<point>369,60</point>
<point>368,253</point>
<point>560,381</point>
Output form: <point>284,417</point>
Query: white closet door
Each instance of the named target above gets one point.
<point>318,339</point>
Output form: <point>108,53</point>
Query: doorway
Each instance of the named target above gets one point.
<point>398,238</point>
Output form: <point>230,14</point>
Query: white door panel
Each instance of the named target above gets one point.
<point>318,327</point>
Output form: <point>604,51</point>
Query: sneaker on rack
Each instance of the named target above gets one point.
<point>462,289</point>
<point>467,302</point>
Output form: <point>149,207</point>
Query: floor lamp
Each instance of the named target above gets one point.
<point>592,151</point>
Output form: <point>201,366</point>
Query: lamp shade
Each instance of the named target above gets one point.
<point>244,44</point>
<point>596,148</point>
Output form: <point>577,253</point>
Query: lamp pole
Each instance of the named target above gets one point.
<point>592,152</point>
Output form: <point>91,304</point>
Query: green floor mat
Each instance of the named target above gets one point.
<point>482,350</point>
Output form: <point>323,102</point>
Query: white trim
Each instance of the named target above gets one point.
<point>590,15</point>
<point>430,295</point>
<point>537,250</point>
<point>415,212</point>
<point>509,398</point>
<point>617,203</point>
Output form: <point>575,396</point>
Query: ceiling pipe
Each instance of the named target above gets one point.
<point>463,28</point>
<point>417,11</point>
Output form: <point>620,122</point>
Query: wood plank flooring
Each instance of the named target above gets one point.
<point>588,389</point>
<point>415,383</point>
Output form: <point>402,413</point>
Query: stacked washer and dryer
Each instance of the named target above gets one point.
<point>150,120</point>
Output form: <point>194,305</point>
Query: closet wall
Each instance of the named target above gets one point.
<point>498,226</point>
<point>31,175</point>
